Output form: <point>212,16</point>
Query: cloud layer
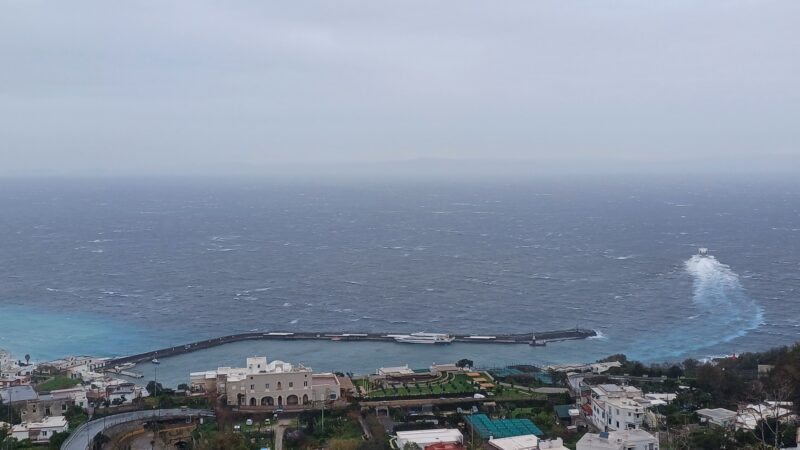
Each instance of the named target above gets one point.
<point>202,86</point>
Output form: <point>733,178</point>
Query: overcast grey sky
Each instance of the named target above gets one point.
<point>158,86</point>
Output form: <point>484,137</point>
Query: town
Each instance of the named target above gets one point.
<point>82,402</point>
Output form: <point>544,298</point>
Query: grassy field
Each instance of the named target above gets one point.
<point>57,382</point>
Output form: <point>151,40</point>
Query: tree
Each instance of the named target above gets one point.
<point>462,363</point>
<point>674,372</point>
<point>57,439</point>
<point>770,414</point>
<point>154,388</point>
<point>27,359</point>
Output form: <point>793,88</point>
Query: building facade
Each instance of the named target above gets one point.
<point>617,407</point>
<point>275,384</point>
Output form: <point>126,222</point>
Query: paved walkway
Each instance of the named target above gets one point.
<point>279,431</point>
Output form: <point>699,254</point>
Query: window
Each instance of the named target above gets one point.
<point>305,383</point>
<point>266,386</point>
<point>252,387</point>
<point>291,384</point>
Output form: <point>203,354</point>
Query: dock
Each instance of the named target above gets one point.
<point>534,338</point>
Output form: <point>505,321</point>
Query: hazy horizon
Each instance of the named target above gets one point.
<point>354,88</point>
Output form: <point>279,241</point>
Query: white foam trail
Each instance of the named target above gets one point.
<point>599,335</point>
<point>721,311</point>
<point>721,299</point>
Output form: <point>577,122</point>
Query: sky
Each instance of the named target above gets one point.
<point>198,86</point>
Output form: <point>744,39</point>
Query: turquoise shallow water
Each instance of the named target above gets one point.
<point>51,335</point>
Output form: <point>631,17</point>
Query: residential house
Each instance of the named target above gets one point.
<point>617,407</point>
<point>39,432</point>
<point>717,416</point>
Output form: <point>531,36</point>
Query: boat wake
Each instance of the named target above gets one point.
<point>721,301</point>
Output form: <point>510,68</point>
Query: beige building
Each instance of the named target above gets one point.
<point>275,384</point>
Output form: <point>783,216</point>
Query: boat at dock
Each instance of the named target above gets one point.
<point>424,338</point>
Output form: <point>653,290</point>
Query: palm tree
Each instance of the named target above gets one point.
<point>27,359</point>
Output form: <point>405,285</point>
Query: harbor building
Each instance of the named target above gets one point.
<point>275,384</point>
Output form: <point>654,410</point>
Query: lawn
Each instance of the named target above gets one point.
<point>57,382</point>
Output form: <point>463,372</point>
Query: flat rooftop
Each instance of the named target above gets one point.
<point>502,428</point>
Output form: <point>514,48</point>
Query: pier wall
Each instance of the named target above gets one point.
<point>536,338</point>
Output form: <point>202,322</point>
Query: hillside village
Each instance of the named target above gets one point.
<point>739,402</point>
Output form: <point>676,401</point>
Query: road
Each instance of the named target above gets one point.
<point>279,430</point>
<point>539,390</point>
<point>80,438</point>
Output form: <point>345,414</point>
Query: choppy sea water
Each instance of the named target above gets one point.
<point>117,267</point>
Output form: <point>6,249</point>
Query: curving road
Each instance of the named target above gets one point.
<point>81,437</point>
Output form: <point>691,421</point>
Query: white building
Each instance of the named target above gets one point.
<point>39,432</point>
<point>717,416</point>
<point>596,368</point>
<point>268,384</point>
<point>618,440</point>
<point>124,393</point>
<point>394,371</point>
<point>11,373</point>
<point>526,442</point>
<point>749,415</point>
<point>617,407</point>
<point>424,438</point>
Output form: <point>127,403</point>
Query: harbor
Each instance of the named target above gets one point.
<point>533,339</point>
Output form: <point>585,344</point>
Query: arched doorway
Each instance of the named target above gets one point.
<point>280,401</point>
<point>305,399</point>
<point>267,401</point>
<point>292,400</point>
<point>240,399</point>
<point>252,401</point>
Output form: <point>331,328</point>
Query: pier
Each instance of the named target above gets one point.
<point>535,338</point>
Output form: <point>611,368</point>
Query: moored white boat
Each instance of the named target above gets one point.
<point>424,338</point>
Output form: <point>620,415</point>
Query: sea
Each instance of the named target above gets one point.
<point>111,267</point>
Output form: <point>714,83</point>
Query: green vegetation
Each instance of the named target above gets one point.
<point>341,431</point>
<point>449,385</point>
<point>214,436</point>
<point>76,416</point>
<point>57,382</point>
